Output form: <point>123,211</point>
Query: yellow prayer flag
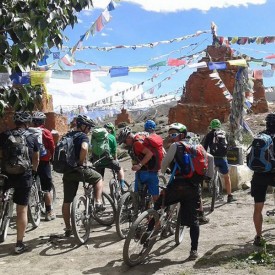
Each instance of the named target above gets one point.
<point>39,77</point>
<point>238,62</point>
<point>138,69</point>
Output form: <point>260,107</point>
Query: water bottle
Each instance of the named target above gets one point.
<point>186,164</point>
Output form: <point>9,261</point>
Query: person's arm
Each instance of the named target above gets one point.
<point>147,156</point>
<point>83,153</point>
<point>168,157</point>
<point>206,141</point>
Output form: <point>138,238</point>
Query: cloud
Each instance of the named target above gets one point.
<point>103,34</point>
<point>184,5</point>
<point>64,92</point>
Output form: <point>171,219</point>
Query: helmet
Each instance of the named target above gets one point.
<point>38,117</point>
<point>123,134</point>
<point>22,117</point>
<point>270,122</point>
<point>179,127</point>
<point>110,126</point>
<point>215,124</point>
<point>270,118</point>
<point>149,125</point>
<point>84,120</point>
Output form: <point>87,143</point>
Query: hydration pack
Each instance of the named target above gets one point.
<point>190,159</point>
<point>100,143</point>
<point>38,133</point>
<point>219,146</point>
<point>16,158</point>
<point>64,153</point>
<point>261,155</point>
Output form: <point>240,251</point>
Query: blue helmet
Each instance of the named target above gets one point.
<point>149,125</point>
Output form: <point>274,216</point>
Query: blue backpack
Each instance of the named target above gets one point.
<point>261,156</point>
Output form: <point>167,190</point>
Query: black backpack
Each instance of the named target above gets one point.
<point>16,158</point>
<point>64,153</point>
<point>219,145</point>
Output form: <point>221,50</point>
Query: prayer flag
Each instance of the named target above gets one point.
<point>20,78</point>
<point>39,77</point>
<point>175,62</point>
<point>119,71</point>
<point>217,65</point>
<point>80,76</point>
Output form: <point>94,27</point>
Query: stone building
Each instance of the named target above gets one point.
<point>204,100</point>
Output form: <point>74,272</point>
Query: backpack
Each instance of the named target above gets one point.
<point>64,153</point>
<point>16,158</point>
<point>38,133</point>
<point>154,143</point>
<point>261,155</point>
<point>100,143</point>
<point>219,146</point>
<point>190,158</point>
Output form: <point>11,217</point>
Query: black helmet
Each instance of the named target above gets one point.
<point>23,117</point>
<point>84,120</point>
<point>270,122</point>
<point>270,118</point>
<point>123,134</point>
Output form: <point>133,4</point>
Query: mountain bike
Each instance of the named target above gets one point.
<point>83,212</point>
<point>6,208</point>
<point>116,191</point>
<point>131,205</point>
<point>215,188</point>
<point>140,240</point>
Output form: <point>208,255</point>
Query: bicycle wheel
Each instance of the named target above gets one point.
<point>179,234</point>
<point>6,220</point>
<point>80,218</point>
<point>217,190</point>
<point>137,244</point>
<point>34,207</point>
<point>125,215</point>
<point>116,191</point>
<point>106,217</point>
<point>172,218</point>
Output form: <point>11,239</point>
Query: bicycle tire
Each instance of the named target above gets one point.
<point>172,223</point>
<point>106,217</point>
<point>81,224</point>
<point>34,207</point>
<point>137,231</point>
<point>113,190</point>
<point>124,215</point>
<point>42,199</point>
<point>180,229</point>
<point>6,221</point>
<point>213,187</point>
<point>217,190</point>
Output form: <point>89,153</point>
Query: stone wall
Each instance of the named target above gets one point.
<point>124,116</point>
<point>204,100</point>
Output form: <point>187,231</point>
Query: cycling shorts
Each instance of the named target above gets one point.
<point>222,164</point>
<point>111,164</point>
<point>259,184</point>
<point>72,178</point>
<point>150,179</point>
<point>45,175</point>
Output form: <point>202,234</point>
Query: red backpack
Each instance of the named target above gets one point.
<point>191,158</point>
<point>154,143</point>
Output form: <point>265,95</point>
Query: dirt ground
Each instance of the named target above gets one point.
<point>223,242</point>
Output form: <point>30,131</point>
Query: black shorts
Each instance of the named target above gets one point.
<point>188,194</point>
<point>45,174</point>
<point>22,186</point>
<point>111,164</point>
<point>259,184</point>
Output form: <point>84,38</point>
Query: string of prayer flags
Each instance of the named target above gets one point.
<point>80,76</point>
<point>197,65</point>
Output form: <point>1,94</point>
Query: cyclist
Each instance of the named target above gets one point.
<point>72,177</point>
<point>22,182</point>
<point>219,160</point>
<point>141,156</point>
<point>259,184</point>
<point>187,191</point>
<point>44,167</point>
<point>111,161</point>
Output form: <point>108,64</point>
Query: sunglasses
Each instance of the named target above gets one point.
<point>174,135</point>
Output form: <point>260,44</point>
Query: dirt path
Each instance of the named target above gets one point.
<point>228,235</point>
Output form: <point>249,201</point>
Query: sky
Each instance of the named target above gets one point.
<point>136,22</point>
